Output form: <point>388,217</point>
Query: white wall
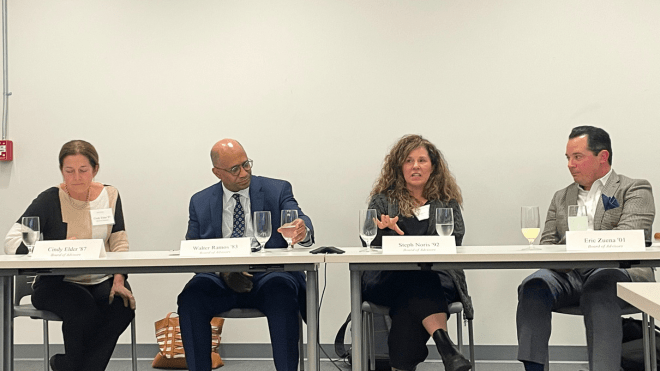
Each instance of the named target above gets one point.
<point>317,91</point>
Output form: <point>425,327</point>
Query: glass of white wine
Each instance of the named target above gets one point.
<point>262,228</point>
<point>530,223</point>
<point>444,221</point>
<point>287,228</point>
<point>30,231</point>
<point>368,228</point>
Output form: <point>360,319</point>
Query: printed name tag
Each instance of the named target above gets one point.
<point>618,240</point>
<point>422,213</point>
<point>419,245</point>
<point>216,247</point>
<point>102,217</point>
<point>69,249</point>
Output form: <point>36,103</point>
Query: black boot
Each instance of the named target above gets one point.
<point>452,359</point>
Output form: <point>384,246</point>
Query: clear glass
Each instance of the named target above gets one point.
<point>262,228</point>
<point>577,218</point>
<point>530,224</point>
<point>287,228</point>
<point>444,221</point>
<point>30,231</point>
<point>368,227</point>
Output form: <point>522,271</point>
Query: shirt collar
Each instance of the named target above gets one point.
<point>227,194</point>
<point>599,182</point>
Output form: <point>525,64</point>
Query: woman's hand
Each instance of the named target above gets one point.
<point>119,289</point>
<point>387,222</point>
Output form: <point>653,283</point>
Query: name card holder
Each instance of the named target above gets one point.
<point>217,247</point>
<point>69,249</point>
<point>612,240</point>
<point>419,245</point>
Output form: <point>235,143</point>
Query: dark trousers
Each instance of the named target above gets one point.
<point>594,291</point>
<point>90,325</point>
<point>206,295</point>
<point>411,296</point>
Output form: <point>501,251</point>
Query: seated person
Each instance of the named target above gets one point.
<point>95,308</point>
<point>414,177</point>
<point>224,210</point>
<point>612,201</point>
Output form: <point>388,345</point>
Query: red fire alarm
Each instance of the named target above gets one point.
<point>6,150</point>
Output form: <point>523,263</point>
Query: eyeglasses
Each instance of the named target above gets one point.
<point>236,169</point>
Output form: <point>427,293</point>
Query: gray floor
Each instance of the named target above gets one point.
<point>261,365</point>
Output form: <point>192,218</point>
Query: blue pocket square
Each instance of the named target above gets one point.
<point>610,202</point>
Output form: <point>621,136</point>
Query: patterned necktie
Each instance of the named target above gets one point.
<point>238,229</point>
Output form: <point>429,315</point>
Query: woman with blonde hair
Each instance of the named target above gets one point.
<point>414,182</point>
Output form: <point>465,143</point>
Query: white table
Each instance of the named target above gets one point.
<point>160,262</point>
<point>645,296</point>
<point>477,257</point>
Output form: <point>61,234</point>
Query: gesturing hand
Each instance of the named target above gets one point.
<point>299,233</point>
<point>387,222</point>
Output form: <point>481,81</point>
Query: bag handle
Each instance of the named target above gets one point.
<point>340,347</point>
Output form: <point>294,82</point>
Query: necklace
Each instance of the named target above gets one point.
<point>72,200</point>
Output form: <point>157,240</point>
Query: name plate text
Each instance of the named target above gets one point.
<point>419,245</point>
<point>617,240</point>
<point>217,247</point>
<point>69,249</point>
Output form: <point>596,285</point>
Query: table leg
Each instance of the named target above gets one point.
<point>652,356</point>
<point>356,319</point>
<point>6,324</point>
<point>313,358</point>
<point>646,341</point>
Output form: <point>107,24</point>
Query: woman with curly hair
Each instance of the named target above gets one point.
<point>415,177</point>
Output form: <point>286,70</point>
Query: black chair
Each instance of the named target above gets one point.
<point>369,309</point>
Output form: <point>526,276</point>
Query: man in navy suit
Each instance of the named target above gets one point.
<point>224,210</point>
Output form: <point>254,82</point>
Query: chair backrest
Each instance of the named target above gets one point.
<point>22,287</point>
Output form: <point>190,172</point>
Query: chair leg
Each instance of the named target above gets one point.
<point>459,331</point>
<point>471,340</point>
<point>301,345</point>
<point>133,346</point>
<point>46,347</point>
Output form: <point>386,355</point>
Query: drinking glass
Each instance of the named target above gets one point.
<point>287,227</point>
<point>262,228</point>
<point>577,218</point>
<point>444,221</point>
<point>30,231</point>
<point>530,223</point>
<point>368,227</point>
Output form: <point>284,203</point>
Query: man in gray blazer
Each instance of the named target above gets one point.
<point>613,202</point>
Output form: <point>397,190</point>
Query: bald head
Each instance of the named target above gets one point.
<point>224,148</point>
<point>225,155</point>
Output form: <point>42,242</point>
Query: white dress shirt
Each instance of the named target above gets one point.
<point>228,204</point>
<point>592,197</point>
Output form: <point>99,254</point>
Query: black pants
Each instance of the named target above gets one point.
<point>411,296</point>
<point>90,325</point>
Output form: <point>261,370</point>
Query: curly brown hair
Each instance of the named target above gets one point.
<point>440,186</point>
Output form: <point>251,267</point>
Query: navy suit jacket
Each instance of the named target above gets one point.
<point>266,194</point>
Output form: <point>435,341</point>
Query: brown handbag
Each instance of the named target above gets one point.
<point>171,353</point>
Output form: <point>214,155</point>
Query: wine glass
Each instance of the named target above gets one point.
<point>530,223</point>
<point>287,228</point>
<point>577,218</point>
<point>368,228</point>
<point>444,221</point>
<point>30,231</point>
<point>262,228</point>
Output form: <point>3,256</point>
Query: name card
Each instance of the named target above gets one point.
<point>69,249</point>
<point>419,245</point>
<point>617,240</point>
<point>217,247</point>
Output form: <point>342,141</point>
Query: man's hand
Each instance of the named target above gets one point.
<point>119,289</point>
<point>299,230</point>
<point>240,282</point>
<point>387,222</point>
